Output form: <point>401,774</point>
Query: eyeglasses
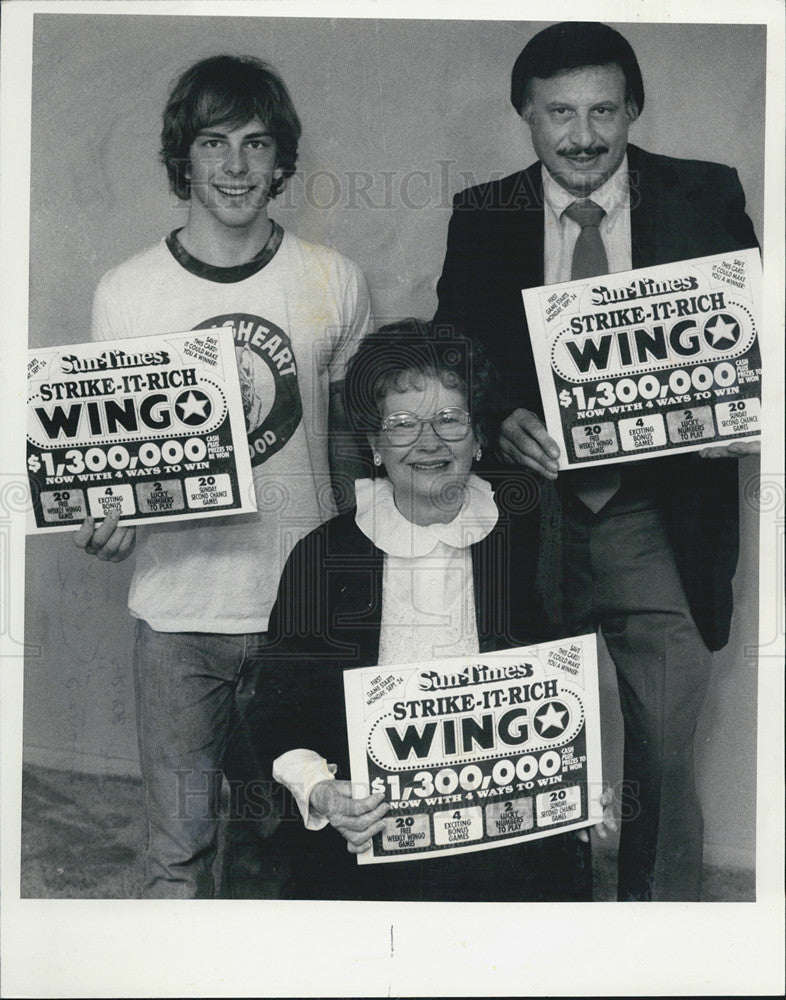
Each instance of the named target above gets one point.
<point>450,424</point>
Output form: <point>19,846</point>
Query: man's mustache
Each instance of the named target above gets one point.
<point>583,151</point>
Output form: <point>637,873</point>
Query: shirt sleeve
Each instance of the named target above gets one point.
<point>299,771</point>
<point>737,221</point>
<point>106,323</point>
<point>355,322</point>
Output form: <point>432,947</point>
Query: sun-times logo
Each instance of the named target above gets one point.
<point>641,288</point>
<point>435,680</point>
<point>71,364</point>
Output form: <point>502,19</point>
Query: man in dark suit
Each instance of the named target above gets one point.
<point>648,549</point>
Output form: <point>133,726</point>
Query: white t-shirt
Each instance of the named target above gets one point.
<point>297,321</point>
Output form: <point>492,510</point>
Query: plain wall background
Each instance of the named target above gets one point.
<point>397,116</point>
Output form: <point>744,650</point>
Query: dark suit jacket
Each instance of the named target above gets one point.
<point>679,209</point>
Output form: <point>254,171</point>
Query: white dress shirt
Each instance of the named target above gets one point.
<point>561,233</point>
<point>428,599</point>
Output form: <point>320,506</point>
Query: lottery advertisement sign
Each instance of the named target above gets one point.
<point>476,753</point>
<point>650,362</point>
<point>151,428</point>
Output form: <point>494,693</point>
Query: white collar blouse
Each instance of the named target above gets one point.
<point>428,600</point>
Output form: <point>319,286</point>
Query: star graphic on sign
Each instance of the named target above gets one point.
<point>722,327</point>
<point>551,719</point>
<point>193,406</point>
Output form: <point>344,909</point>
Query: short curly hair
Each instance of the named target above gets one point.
<point>389,358</point>
<point>227,90</point>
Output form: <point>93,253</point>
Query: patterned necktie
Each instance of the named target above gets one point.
<point>596,486</point>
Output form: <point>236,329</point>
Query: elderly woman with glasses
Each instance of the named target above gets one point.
<point>426,565</point>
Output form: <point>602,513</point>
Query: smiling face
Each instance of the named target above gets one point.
<point>231,168</point>
<point>427,476</point>
<point>579,122</point>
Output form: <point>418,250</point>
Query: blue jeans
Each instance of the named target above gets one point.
<point>191,692</point>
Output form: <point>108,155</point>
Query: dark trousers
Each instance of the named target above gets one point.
<point>621,577</point>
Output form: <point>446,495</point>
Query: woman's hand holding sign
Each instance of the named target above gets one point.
<point>357,820</point>
<point>609,821</point>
